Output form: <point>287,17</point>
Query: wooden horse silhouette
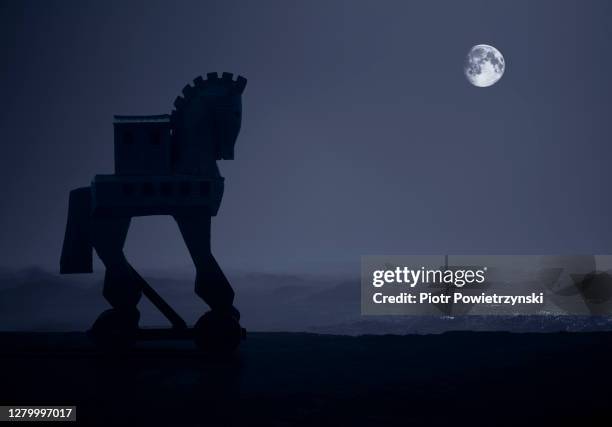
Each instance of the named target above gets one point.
<point>164,165</point>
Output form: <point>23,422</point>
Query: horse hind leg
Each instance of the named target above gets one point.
<point>122,284</point>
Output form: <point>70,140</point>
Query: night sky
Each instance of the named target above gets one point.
<point>360,133</point>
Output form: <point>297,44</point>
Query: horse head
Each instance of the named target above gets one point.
<point>206,122</point>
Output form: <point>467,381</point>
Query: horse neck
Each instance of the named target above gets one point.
<point>195,149</point>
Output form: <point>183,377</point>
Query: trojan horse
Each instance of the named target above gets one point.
<point>164,165</point>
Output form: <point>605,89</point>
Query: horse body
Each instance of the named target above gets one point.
<point>164,165</point>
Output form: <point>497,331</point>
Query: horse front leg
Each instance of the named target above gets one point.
<point>211,284</point>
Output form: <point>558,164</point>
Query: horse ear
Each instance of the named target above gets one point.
<point>240,84</point>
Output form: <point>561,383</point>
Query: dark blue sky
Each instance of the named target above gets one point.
<point>360,133</point>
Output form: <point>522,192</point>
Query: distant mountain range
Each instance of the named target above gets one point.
<point>38,300</point>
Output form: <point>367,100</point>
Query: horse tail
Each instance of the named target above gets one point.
<point>77,250</point>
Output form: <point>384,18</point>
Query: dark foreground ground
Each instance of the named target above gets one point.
<point>303,379</point>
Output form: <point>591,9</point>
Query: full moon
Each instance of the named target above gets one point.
<point>484,65</point>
